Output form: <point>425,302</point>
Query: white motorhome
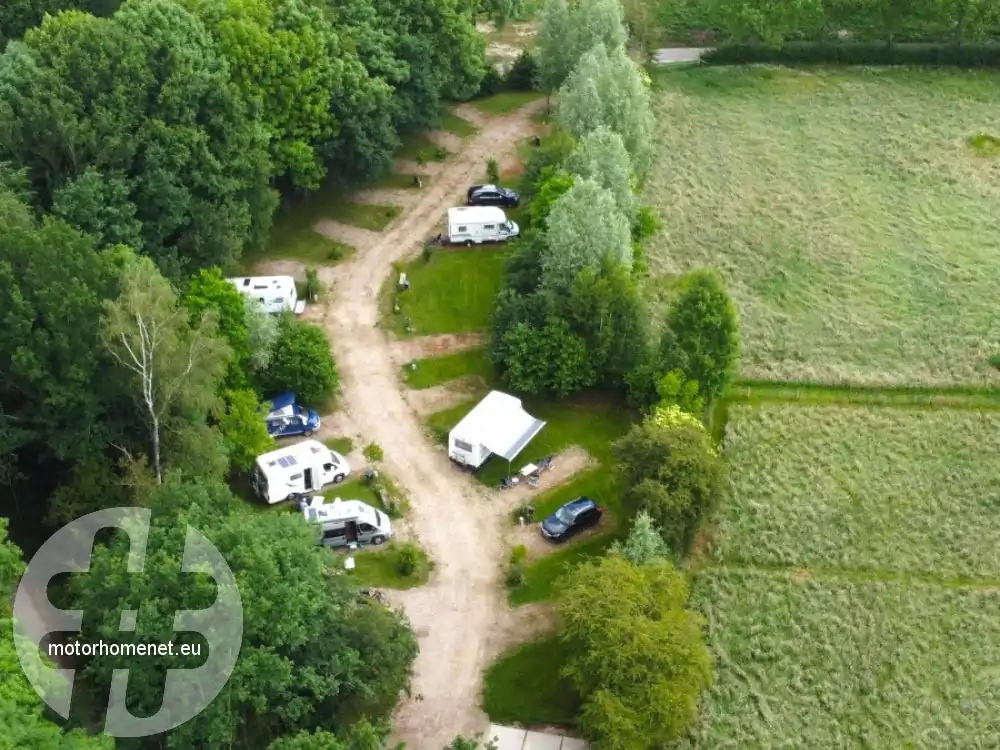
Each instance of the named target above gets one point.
<point>275,294</point>
<point>474,225</point>
<point>496,425</point>
<point>296,470</point>
<point>346,522</point>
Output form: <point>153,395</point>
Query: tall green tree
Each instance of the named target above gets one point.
<point>637,657</point>
<point>175,367</point>
<point>141,100</point>
<point>701,333</point>
<point>23,722</point>
<point>602,157</point>
<point>315,654</point>
<point>555,52</point>
<point>302,362</point>
<point>644,544</point>
<point>244,429</point>
<point>607,88</point>
<point>584,229</point>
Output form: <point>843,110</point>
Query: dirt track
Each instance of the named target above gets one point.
<point>460,617</point>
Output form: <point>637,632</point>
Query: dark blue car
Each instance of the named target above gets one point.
<point>572,518</point>
<point>287,418</point>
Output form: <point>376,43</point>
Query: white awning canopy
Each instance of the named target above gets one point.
<point>501,424</point>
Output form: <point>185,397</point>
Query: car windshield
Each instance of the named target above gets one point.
<point>564,516</point>
<point>302,411</point>
<point>508,226</point>
<point>378,519</point>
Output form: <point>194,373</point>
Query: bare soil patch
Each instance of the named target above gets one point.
<point>427,401</point>
<point>446,140</point>
<point>470,114</point>
<point>435,346</point>
<point>565,465</point>
<point>402,198</point>
<point>293,268</point>
<point>356,237</point>
<point>408,166</point>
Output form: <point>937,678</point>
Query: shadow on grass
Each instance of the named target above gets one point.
<point>524,686</point>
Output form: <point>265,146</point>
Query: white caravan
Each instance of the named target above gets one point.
<point>346,522</point>
<point>296,470</point>
<point>496,425</point>
<point>474,225</point>
<point>275,294</point>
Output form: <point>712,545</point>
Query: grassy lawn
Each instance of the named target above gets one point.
<point>454,124</point>
<point>396,181</point>
<point>453,292</point>
<point>431,371</point>
<point>365,215</point>
<point>342,445</point>
<point>863,488</point>
<point>523,686</point>
<point>506,102</point>
<point>804,663</point>
<point>380,568</point>
<point>854,223</point>
<point>592,426</point>
<point>418,147</point>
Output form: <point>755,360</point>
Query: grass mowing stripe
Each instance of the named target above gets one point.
<point>756,392</point>
<point>855,575</point>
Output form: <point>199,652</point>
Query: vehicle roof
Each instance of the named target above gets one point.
<point>281,402</point>
<point>498,188</point>
<point>476,213</point>
<point>500,423</point>
<point>262,283</point>
<point>291,455</point>
<point>338,509</point>
<point>580,504</point>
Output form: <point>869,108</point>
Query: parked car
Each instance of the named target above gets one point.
<point>287,418</point>
<point>493,195</point>
<point>572,518</point>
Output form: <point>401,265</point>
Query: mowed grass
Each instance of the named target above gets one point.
<point>855,226</point>
<point>452,123</point>
<point>368,216</point>
<point>380,568</point>
<point>524,686</point>
<point>506,102</point>
<point>910,491</point>
<point>453,292</point>
<point>804,664</point>
<point>593,426</point>
<point>431,371</point>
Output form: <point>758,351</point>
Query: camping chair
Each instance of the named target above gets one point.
<point>544,465</point>
<point>507,482</point>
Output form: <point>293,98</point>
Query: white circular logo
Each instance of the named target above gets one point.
<point>186,692</point>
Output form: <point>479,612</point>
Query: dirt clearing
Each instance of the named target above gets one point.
<point>565,466</point>
<point>457,614</point>
<point>435,346</point>
<point>427,401</point>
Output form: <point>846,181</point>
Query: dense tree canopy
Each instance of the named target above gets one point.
<point>301,363</point>
<point>601,156</point>
<point>313,650</point>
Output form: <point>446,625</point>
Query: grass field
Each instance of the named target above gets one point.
<point>506,102</point>
<point>365,215</point>
<point>524,686</point>
<point>877,489</point>
<point>453,292</point>
<point>418,147</point>
<point>380,568</point>
<point>432,371</point>
<point>805,664</point>
<point>452,123</point>
<point>856,227</point>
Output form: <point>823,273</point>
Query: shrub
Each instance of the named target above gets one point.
<point>373,453</point>
<point>313,288</point>
<point>518,554</point>
<point>515,576</point>
<point>492,83</point>
<point>492,171</point>
<point>427,253</point>
<point>645,224</point>
<point>336,252</point>
<point>301,362</point>
<point>937,55</point>
<point>523,73</point>
<point>408,558</point>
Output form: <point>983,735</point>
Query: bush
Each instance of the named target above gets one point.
<point>523,73</point>
<point>515,576</point>
<point>966,56</point>
<point>301,362</point>
<point>491,84</point>
<point>408,558</point>
<point>427,253</point>
<point>373,452</point>
<point>518,554</point>
<point>492,171</point>
<point>313,288</point>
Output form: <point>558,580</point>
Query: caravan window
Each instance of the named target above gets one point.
<point>463,446</point>
<point>278,300</point>
<point>294,477</point>
<point>334,533</point>
<point>462,229</point>
<point>378,518</point>
<point>489,226</point>
<point>366,528</point>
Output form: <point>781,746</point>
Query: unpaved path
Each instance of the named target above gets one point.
<point>434,346</point>
<point>427,401</point>
<point>461,617</point>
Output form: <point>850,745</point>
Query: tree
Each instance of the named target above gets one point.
<point>302,362</point>
<point>552,185</point>
<point>176,367</point>
<point>545,359</point>
<point>675,390</point>
<point>595,22</point>
<point>548,157</point>
<point>584,229</point>
<point>608,88</point>
<point>701,333</point>
<point>462,743</point>
<point>672,471</point>
<point>555,53</point>
<point>262,334</point>
<point>244,430</point>
<point>314,653</point>
<point>208,291</point>
<point>23,723</point>
<point>602,157</point>
<point>501,11</point>
<point>308,741</point>
<point>644,544</point>
<point>145,101</point>
<point>637,657</point>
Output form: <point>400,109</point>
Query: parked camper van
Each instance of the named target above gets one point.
<point>296,470</point>
<point>496,425</point>
<point>276,294</point>
<point>345,522</point>
<point>474,225</point>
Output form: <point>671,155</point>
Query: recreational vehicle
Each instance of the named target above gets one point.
<point>296,470</point>
<point>474,225</point>
<point>496,425</point>
<point>346,522</point>
<point>275,294</point>
<point>287,417</point>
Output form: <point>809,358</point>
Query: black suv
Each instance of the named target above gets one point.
<point>572,518</point>
<point>492,195</point>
